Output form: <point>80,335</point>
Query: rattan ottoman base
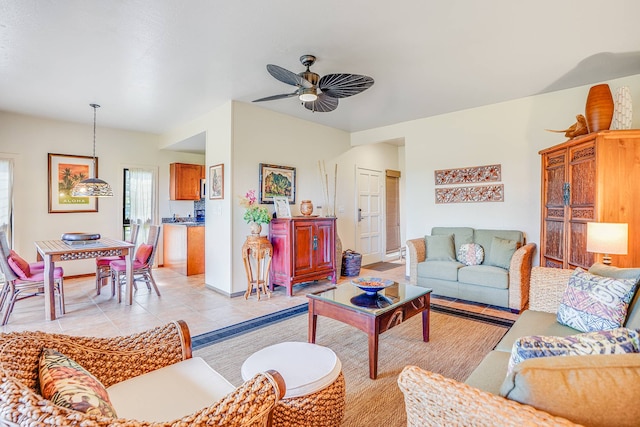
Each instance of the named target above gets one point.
<point>324,408</point>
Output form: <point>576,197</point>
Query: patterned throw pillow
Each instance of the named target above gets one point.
<point>64,382</point>
<point>595,303</point>
<point>615,341</point>
<point>471,254</point>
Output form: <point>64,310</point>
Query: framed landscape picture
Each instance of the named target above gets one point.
<point>65,171</point>
<point>216,182</point>
<point>277,181</point>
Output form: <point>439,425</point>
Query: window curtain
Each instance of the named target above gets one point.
<point>6,197</point>
<point>141,185</point>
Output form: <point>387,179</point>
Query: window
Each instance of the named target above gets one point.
<point>139,200</point>
<point>6,196</point>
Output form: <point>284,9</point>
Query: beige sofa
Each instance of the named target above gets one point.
<point>484,283</point>
<point>595,390</point>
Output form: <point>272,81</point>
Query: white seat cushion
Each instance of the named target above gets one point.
<point>169,393</point>
<point>306,368</point>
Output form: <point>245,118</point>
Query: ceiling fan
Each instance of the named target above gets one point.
<point>318,93</point>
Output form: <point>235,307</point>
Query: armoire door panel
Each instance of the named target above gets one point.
<point>554,239</point>
<point>303,261</point>
<point>578,255</point>
<point>555,186</point>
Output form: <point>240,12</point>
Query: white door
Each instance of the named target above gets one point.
<point>369,211</point>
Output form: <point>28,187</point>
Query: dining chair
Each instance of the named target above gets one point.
<point>21,282</point>
<point>103,269</point>
<point>142,264</point>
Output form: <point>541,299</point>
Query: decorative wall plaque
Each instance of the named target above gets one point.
<point>475,174</point>
<point>471,194</point>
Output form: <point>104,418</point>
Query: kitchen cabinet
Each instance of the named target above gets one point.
<point>592,178</point>
<point>183,248</point>
<point>303,250</point>
<point>184,181</point>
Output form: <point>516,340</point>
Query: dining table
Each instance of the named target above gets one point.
<point>53,251</point>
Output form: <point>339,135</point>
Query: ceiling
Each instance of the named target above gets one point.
<point>157,64</point>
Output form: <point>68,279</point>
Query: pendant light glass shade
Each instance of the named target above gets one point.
<point>92,187</point>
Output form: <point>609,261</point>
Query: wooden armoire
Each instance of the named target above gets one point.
<point>592,178</point>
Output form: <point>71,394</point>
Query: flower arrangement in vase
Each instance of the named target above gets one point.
<point>255,215</point>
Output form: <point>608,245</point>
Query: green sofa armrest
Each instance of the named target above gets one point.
<point>417,249</point>
<point>520,276</point>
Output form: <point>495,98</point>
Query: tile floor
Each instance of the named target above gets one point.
<point>184,298</point>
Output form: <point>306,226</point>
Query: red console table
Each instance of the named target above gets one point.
<point>303,250</point>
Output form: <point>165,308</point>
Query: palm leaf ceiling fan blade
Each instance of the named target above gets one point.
<point>344,85</point>
<point>274,97</point>
<point>323,104</point>
<point>325,90</point>
<point>288,77</point>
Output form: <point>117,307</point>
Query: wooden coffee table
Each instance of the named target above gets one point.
<point>371,314</point>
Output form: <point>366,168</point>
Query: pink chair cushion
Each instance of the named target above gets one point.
<point>143,253</point>
<point>19,266</point>
<point>122,265</point>
<point>58,272</point>
<point>106,260</point>
<point>33,266</point>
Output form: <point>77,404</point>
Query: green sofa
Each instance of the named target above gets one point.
<point>591,390</point>
<point>484,283</point>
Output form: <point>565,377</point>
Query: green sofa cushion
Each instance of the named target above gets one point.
<point>594,390</point>
<point>501,252</point>
<point>440,248</point>
<point>532,322</point>
<point>485,237</point>
<point>444,270</point>
<point>484,275</point>
<point>461,235</point>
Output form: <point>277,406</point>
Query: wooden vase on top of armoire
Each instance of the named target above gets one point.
<point>591,178</point>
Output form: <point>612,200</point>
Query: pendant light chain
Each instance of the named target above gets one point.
<point>95,108</point>
<point>92,187</point>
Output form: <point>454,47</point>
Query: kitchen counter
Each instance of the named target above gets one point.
<point>184,247</point>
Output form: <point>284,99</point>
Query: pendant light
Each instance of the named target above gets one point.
<point>92,187</point>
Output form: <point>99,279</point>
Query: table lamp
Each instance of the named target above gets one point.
<point>607,238</point>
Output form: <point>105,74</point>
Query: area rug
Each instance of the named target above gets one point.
<point>382,266</point>
<point>457,345</point>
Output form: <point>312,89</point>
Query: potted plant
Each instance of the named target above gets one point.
<point>255,215</point>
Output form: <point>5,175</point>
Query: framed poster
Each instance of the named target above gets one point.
<point>216,182</point>
<point>283,210</point>
<point>65,170</point>
<point>277,181</point>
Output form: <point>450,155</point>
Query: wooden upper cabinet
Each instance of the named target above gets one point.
<point>596,178</point>
<point>184,181</point>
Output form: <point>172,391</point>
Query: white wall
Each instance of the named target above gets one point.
<point>510,133</point>
<point>262,136</point>
<point>28,139</point>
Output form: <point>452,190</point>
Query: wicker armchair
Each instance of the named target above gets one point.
<point>519,270</point>
<point>113,360</point>
<point>433,400</point>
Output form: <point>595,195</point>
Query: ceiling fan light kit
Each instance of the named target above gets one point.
<point>331,87</point>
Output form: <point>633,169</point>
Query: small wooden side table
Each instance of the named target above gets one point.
<point>259,250</point>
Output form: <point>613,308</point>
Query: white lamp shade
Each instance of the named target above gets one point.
<point>607,238</point>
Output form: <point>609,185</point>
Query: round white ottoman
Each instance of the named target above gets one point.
<point>315,393</point>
